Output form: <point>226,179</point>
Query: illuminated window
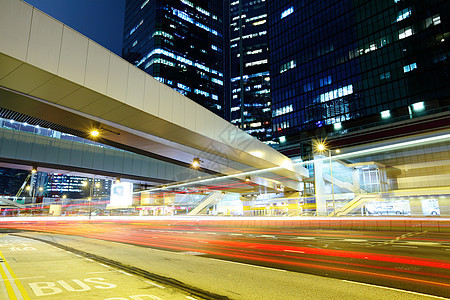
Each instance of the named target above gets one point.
<point>287,12</point>
<point>337,93</point>
<point>144,4</point>
<point>403,14</point>
<point>419,106</point>
<point>386,75</point>
<point>385,114</point>
<point>282,110</point>
<point>409,68</point>
<point>325,81</point>
<point>405,32</point>
<point>287,66</point>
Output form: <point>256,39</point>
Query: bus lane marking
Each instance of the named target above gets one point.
<point>13,284</point>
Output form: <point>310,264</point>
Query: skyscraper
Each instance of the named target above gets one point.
<point>249,68</point>
<point>180,43</point>
<point>342,65</point>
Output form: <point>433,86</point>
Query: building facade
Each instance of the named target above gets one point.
<point>180,43</point>
<point>341,65</point>
<point>249,68</point>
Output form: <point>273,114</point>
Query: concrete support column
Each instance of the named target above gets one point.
<point>416,207</point>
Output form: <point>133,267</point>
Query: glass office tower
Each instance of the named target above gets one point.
<point>338,65</point>
<point>180,43</point>
<point>249,68</point>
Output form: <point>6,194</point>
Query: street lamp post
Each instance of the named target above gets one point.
<point>332,185</point>
<point>321,148</point>
<point>91,189</point>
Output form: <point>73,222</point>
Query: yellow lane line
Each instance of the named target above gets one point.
<point>9,287</point>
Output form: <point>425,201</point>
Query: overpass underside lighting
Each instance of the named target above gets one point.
<point>196,163</point>
<point>373,150</point>
<point>94,133</point>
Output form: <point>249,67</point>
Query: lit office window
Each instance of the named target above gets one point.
<point>287,12</point>
<point>325,81</point>
<point>144,4</point>
<point>385,114</point>
<point>403,14</point>
<point>405,32</point>
<point>409,68</point>
<point>287,66</point>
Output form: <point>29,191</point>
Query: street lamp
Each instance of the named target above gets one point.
<point>321,147</point>
<point>97,185</point>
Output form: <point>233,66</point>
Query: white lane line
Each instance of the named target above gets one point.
<point>354,240</point>
<point>269,236</point>
<point>211,233</point>
<point>400,246</point>
<point>88,259</point>
<point>394,289</point>
<point>123,272</point>
<point>191,298</point>
<point>106,266</point>
<point>306,238</point>
<point>248,265</point>
<point>78,256</point>
<point>236,234</point>
<point>155,237</point>
<point>294,251</point>
<point>203,242</point>
<point>23,278</point>
<point>155,284</point>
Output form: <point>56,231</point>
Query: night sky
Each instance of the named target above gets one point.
<point>99,20</point>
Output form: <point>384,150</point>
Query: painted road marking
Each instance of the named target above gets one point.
<point>305,238</point>
<point>155,284</point>
<point>393,289</point>
<point>203,242</point>
<point>190,298</point>
<point>401,246</point>
<point>269,236</point>
<point>294,251</point>
<point>13,285</point>
<point>236,234</point>
<point>123,272</point>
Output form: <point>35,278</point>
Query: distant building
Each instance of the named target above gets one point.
<point>249,68</point>
<point>341,66</point>
<point>180,43</point>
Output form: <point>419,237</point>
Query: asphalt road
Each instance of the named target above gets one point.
<point>31,269</point>
<point>417,261</point>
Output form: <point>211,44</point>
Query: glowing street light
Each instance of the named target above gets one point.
<point>196,162</point>
<point>28,188</point>
<point>95,133</point>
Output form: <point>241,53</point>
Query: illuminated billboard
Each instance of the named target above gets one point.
<point>121,194</point>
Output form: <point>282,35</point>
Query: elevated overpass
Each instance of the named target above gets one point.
<point>53,73</point>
